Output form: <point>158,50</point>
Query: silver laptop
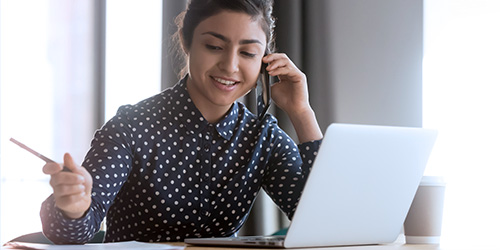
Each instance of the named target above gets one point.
<point>359,191</point>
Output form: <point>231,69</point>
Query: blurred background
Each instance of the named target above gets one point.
<point>67,65</point>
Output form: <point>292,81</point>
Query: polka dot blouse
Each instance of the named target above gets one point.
<point>162,173</point>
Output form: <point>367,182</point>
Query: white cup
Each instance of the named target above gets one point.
<point>424,220</point>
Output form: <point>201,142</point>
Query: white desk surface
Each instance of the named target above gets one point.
<point>396,246</point>
<point>399,244</point>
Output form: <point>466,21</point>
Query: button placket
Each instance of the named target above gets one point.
<point>206,162</point>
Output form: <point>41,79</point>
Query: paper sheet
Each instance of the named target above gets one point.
<point>129,245</point>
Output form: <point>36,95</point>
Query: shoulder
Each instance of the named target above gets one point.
<point>156,104</point>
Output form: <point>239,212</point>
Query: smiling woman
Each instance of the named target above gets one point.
<point>350,72</point>
<point>191,157</point>
<point>221,53</point>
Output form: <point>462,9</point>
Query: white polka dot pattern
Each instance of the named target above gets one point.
<point>163,173</point>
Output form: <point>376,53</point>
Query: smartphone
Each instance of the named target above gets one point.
<point>263,92</point>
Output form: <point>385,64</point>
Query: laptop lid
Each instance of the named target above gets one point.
<point>361,187</point>
<point>359,191</point>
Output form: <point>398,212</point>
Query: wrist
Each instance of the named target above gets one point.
<point>75,214</point>
<point>305,124</point>
<point>72,216</point>
<point>301,113</point>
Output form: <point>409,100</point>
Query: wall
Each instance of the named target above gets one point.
<point>363,61</point>
<point>375,62</point>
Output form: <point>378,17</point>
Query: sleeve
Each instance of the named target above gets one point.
<point>109,161</point>
<point>287,171</point>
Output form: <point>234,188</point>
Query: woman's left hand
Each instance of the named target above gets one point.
<point>290,93</point>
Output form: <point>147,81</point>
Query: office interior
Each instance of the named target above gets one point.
<point>66,66</point>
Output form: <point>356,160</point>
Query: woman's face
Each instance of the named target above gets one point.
<point>224,59</point>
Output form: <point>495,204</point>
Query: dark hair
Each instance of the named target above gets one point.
<point>199,10</point>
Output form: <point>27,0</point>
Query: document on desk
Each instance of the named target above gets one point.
<point>129,245</point>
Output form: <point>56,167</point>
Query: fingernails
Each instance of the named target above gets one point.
<point>81,178</point>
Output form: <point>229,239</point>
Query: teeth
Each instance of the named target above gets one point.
<point>225,82</point>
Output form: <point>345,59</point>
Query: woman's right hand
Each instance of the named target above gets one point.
<point>71,190</point>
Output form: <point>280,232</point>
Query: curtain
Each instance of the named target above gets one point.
<point>363,61</point>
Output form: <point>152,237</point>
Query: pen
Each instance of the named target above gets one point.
<point>46,159</point>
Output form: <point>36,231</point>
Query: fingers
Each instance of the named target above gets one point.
<point>66,178</point>
<point>70,164</point>
<point>276,61</point>
<point>290,93</point>
<point>67,184</point>
<point>280,65</point>
<point>52,168</point>
<point>62,191</point>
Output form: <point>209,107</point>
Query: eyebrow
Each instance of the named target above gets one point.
<point>225,39</point>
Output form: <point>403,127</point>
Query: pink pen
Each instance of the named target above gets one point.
<point>46,159</point>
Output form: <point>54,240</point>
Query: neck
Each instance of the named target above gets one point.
<point>211,114</point>
<point>210,111</point>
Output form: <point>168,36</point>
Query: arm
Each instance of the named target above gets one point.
<point>75,217</point>
<point>287,171</point>
<point>289,168</point>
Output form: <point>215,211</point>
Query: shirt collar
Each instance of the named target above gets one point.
<point>226,125</point>
<point>192,119</point>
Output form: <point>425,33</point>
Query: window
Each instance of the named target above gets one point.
<point>48,91</point>
<point>46,94</point>
<point>133,52</point>
<point>461,98</point>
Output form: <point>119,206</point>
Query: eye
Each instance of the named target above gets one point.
<point>248,54</point>
<point>212,47</point>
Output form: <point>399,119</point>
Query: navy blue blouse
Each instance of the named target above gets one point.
<point>161,172</point>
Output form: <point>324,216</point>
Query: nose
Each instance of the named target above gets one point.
<point>229,62</point>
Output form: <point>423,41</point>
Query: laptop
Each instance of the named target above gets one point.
<point>359,191</point>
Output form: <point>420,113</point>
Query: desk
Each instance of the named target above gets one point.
<point>375,247</point>
<point>393,246</point>
<point>399,244</point>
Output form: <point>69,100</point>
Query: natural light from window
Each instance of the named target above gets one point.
<point>461,93</point>
<point>26,97</point>
<point>133,52</point>
<point>45,83</point>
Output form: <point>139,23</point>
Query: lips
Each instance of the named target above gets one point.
<point>225,84</point>
<point>224,81</point>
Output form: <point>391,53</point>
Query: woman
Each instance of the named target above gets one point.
<point>190,161</point>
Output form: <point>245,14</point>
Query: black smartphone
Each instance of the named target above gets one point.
<point>263,92</point>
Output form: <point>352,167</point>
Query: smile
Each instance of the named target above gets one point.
<point>225,82</point>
